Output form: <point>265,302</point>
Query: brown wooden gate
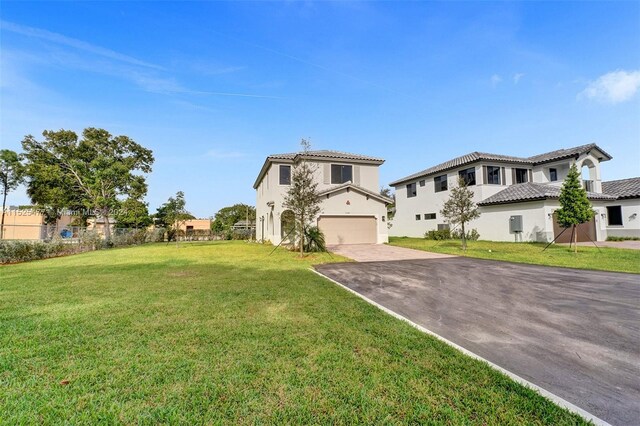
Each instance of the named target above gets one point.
<point>586,231</point>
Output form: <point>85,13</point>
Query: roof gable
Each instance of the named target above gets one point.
<point>349,185</point>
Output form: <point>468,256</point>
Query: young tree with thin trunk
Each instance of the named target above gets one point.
<point>302,197</point>
<point>11,175</point>
<point>575,207</point>
<point>174,214</point>
<point>94,172</point>
<point>460,209</point>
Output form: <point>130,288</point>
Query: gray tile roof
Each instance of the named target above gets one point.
<point>533,191</point>
<point>328,154</point>
<point>623,188</point>
<point>357,188</point>
<point>479,156</point>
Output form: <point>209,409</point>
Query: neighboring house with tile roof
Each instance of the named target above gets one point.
<point>623,215</point>
<point>518,196</point>
<point>352,209</point>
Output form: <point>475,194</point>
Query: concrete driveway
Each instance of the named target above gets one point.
<point>381,252</point>
<point>574,333</point>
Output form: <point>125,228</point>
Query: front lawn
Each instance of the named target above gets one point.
<point>224,333</point>
<point>605,259</point>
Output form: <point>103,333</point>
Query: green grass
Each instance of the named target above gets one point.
<point>605,259</point>
<point>223,332</point>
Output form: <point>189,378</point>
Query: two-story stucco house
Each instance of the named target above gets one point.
<point>517,196</point>
<point>352,209</point>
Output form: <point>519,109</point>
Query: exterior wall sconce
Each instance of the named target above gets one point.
<point>633,216</point>
<point>603,215</point>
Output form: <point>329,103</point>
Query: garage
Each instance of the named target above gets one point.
<point>586,232</point>
<point>348,229</point>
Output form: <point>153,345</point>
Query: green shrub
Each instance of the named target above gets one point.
<point>314,240</point>
<point>472,235</point>
<point>447,234</point>
<point>24,251</point>
<point>614,238</point>
<point>441,234</point>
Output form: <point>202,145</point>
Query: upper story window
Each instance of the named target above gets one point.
<point>412,191</point>
<point>553,175</point>
<point>285,175</point>
<point>422,182</point>
<point>468,175</point>
<point>341,173</point>
<point>521,175</point>
<point>493,175</point>
<point>440,183</point>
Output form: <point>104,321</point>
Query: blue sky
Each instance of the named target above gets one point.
<point>214,87</point>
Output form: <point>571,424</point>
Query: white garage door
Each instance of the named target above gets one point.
<point>348,230</point>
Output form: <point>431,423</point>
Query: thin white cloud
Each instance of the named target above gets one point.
<point>495,80</point>
<point>613,87</point>
<point>148,77</point>
<point>73,43</point>
<point>517,76</point>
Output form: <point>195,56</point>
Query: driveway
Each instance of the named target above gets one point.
<point>381,252</point>
<point>575,333</point>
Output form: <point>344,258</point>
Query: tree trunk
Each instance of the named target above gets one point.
<point>302,237</point>
<point>4,203</point>
<point>464,238</point>
<point>107,225</point>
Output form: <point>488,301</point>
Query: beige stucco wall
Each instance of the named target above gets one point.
<point>198,224</point>
<point>27,224</point>
<point>270,190</point>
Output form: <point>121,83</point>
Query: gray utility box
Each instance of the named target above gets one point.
<point>515,224</point>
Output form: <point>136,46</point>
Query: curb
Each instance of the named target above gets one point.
<point>545,393</point>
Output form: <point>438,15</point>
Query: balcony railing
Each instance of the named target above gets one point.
<point>588,185</point>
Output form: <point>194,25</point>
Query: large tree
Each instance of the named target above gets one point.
<point>11,175</point>
<point>302,197</point>
<point>460,209</point>
<point>575,207</point>
<point>95,172</point>
<point>226,217</point>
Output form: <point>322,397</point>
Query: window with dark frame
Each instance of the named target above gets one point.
<point>440,183</point>
<point>468,175</point>
<point>411,190</point>
<point>443,226</point>
<point>614,215</point>
<point>522,175</point>
<point>553,175</point>
<point>285,175</point>
<point>493,175</point>
<point>428,216</point>
<point>341,173</point>
<point>422,182</point>
<point>417,217</point>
